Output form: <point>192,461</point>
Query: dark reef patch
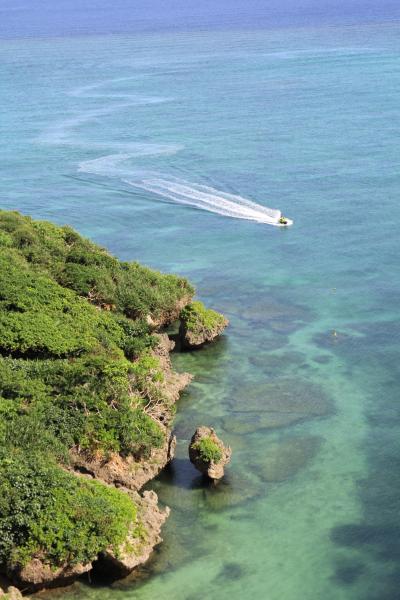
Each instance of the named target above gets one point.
<point>283,459</point>
<point>230,571</point>
<point>348,573</point>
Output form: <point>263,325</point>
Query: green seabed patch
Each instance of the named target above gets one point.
<point>76,374</point>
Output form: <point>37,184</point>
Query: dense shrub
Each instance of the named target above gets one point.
<point>209,451</point>
<point>77,375</point>
<point>45,511</point>
<point>199,319</point>
<point>89,270</point>
<point>39,317</point>
<point>86,374</point>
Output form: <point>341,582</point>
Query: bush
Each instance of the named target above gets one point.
<point>198,319</point>
<point>45,511</point>
<point>82,266</point>
<point>83,404</point>
<point>209,451</point>
<point>74,381</point>
<point>39,317</point>
<point>77,375</point>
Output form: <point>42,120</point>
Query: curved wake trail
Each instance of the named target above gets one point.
<point>207,198</point>
<point>163,186</point>
<point>178,190</point>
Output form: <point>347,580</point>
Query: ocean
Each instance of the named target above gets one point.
<point>166,133</point>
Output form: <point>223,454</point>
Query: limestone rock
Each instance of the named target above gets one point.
<point>13,593</point>
<point>168,316</point>
<point>37,574</point>
<point>126,471</point>
<point>200,325</point>
<point>208,453</point>
<point>136,550</point>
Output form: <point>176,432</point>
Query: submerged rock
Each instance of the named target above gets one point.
<point>208,453</point>
<point>283,459</point>
<point>275,404</point>
<point>278,365</point>
<point>237,488</point>
<point>200,325</point>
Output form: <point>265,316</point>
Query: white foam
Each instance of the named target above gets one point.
<point>210,199</point>
<point>110,165</point>
<point>178,190</point>
<point>114,165</point>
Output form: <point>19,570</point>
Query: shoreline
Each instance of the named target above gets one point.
<point>130,391</point>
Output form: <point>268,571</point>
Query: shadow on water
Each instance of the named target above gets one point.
<point>181,488</point>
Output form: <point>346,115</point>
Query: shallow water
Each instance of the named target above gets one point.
<point>304,385</point>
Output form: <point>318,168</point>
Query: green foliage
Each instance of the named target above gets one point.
<point>199,319</point>
<point>136,336</point>
<point>77,375</point>
<point>144,292</point>
<point>78,264</point>
<point>45,511</point>
<point>84,404</point>
<point>147,375</point>
<point>39,317</point>
<point>208,449</point>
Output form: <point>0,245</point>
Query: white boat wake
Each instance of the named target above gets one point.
<point>162,186</point>
<point>207,198</point>
<point>180,191</point>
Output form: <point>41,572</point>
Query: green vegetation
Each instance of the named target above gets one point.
<point>80,265</point>
<point>208,449</point>
<point>199,320</point>
<point>46,510</point>
<point>77,375</point>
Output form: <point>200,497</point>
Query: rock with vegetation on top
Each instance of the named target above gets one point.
<point>141,541</point>
<point>200,325</point>
<point>208,453</point>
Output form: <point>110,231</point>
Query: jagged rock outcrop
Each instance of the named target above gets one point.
<point>125,472</point>
<point>208,453</point>
<point>200,325</point>
<point>135,551</point>
<point>128,471</point>
<point>118,394</point>
<point>137,548</point>
<point>37,574</point>
<point>168,316</point>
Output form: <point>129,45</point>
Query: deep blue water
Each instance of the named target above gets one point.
<point>122,132</point>
<point>71,17</point>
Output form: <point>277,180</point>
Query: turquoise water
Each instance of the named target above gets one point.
<point>304,385</point>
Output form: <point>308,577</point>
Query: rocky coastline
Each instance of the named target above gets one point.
<point>126,472</point>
